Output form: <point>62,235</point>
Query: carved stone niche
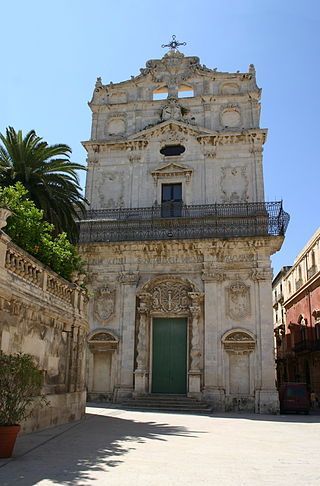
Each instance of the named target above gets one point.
<point>104,303</point>
<point>239,341</point>
<point>238,304</point>
<point>101,341</point>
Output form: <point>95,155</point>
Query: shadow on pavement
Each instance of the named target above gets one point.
<point>93,445</point>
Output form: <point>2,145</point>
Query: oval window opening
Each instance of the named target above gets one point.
<point>170,150</point>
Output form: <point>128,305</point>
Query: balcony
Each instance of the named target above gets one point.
<point>184,222</point>
<point>277,299</point>
<point>311,271</point>
<point>307,345</point>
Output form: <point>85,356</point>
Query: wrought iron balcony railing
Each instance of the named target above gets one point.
<point>184,222</point>
<point>307,345</point>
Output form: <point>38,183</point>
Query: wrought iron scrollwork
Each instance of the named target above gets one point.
<point>191,221</point>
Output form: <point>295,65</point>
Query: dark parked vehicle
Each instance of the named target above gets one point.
<point>294,397</point>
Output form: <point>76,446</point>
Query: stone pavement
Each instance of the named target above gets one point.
<point>118,447</point>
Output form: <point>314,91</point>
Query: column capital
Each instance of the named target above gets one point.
<point>129,278</point>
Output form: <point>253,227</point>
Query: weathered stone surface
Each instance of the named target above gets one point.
<point>44,315</point>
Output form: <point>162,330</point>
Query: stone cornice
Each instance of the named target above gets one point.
<point>139,140</point>
<point>256,136</point>
<point>196,247</point>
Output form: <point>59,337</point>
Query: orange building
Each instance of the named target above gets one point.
<point>296,303</point>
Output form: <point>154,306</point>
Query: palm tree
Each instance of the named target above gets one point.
<point>48,175</point>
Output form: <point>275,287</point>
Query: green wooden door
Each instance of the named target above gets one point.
<point>169,356</point>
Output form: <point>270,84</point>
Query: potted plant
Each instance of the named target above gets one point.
<point>20,385</point>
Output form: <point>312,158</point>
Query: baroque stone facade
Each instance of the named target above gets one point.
<point>178,238</point>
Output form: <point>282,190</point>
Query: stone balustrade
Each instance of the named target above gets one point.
<point>25,266</point>
<point>18,263</point>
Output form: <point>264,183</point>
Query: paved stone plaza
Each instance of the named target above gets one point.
<point>119,447</point>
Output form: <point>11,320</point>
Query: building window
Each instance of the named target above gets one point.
<point>160,93</point>
<point>185,91</point>
<point>171,200</point>
<point>172,150</point>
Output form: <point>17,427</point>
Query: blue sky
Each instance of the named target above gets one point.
<point>52,53</point>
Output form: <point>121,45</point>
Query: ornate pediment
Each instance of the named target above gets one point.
<point>173,68</point>
<point>172,170</point>
<point>102,340</point>
<point>239,341</point>
<point>170,130</point>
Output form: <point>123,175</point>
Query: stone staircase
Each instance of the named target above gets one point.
<point>167,403</point>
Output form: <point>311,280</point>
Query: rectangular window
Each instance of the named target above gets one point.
<point>171,200</point>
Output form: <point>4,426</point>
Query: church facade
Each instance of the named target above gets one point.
<point>178,238</point>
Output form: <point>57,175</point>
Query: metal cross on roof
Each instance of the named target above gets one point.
<point>174,43</point>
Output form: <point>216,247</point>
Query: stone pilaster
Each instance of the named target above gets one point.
<point>266,399</point>
<point>213,372</point>
<point>129,282</point>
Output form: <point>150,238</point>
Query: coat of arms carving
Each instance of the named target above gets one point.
<point>104,304</point>
<point>238,300</point>
<point>170,297</point>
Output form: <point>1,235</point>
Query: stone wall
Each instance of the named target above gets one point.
<point>46,316</point>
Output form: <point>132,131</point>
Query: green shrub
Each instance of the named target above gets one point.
<point>20,385</point>
<point>28,230</point>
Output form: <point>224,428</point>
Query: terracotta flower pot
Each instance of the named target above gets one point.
<point>8,435</point>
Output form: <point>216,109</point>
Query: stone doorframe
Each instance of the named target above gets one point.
<point>168,297</point>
